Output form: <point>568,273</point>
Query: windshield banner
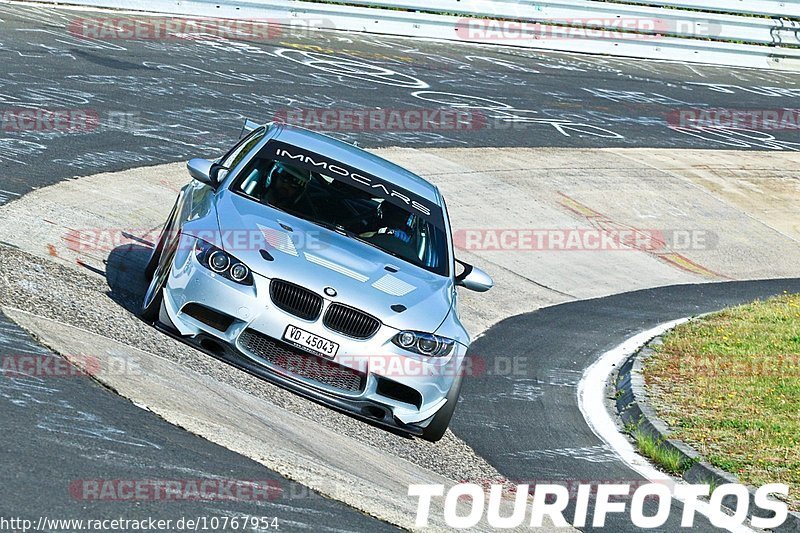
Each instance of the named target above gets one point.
<point>298,157</point>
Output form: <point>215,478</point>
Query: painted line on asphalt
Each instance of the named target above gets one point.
<point>592,403</point>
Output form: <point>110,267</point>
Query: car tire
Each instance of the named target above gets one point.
<point>441,420</point>
<point>154,295</point>
<point>155,255</point>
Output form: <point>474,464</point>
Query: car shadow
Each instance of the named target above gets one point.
<point>125,275</point>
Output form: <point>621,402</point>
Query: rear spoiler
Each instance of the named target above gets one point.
<point>248,127</point>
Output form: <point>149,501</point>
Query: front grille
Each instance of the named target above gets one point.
<point>295,299</point>
<point>350,322</point>
<point>302,364</point>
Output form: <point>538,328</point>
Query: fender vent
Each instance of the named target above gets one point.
<point>398,391</point>
<point>208,316</point>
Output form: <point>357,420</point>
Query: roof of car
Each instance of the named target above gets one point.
<point>356,157</point>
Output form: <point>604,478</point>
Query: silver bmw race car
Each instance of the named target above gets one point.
<point>322,268</point>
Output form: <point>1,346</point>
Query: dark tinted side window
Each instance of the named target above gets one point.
<point>240,151</point>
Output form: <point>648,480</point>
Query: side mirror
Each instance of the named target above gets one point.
<point>204,171</point>
<point>473,278</point>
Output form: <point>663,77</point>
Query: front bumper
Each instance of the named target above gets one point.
<point>396,389</point>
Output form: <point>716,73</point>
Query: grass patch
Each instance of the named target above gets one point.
<point>654,449</point>
<point>729,385</point>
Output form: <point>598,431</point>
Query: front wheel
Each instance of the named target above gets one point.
<point>441,420</point>
<point>164,236</point>
<point>151,304</point>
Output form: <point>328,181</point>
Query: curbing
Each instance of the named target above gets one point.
<point>633,408</point>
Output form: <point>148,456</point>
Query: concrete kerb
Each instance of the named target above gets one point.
<point>634,409</point>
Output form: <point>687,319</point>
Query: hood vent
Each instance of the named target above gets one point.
<point>278,240</point>
<point>393,285</point>
<point>295,299</point>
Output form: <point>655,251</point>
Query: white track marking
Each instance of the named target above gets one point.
<point>591,400</point>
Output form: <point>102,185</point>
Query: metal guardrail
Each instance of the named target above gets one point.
<point>768,8</point>
<point>611,16</point>
<point>476,21</point>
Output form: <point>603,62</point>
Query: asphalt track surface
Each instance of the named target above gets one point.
<point>62,435</point>
<point>158,101</point>
<point>162,101</point>
<point>527,423</point>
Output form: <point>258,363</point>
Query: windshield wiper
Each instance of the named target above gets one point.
<point>347,233</point>
<point>333,227</point>
<point>384,250</point>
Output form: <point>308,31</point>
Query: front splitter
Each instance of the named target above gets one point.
<point>353,408</point>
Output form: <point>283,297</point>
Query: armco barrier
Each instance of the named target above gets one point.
<point>768,8</point>
<point>522,24</point>
<point>612,16</point>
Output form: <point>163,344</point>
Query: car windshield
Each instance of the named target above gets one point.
<point>334,204</point>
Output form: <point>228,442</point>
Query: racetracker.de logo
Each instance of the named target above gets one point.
<point>710,369</point>
<point>386,119</point>
<point>583,239</point>
<point>161,28</point>
<point>49,120</point>
<point>175,28</point>
<point>403,366</point>
<point>87,240</point>
<point>736,119</point>
<point>48,366</point>
<point>622,28</point>
<point>171,490</point>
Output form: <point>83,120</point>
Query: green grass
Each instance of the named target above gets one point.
<point>667,458</point>
<point>729,385</point>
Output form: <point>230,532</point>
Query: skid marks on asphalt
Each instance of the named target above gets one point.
<point>662,252</point>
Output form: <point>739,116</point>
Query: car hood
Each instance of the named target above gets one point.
<point>304,253</point>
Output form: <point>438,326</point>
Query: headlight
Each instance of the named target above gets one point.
<point>219,261</point>
<point>424,343</point>
<point>222,263</point>
<point>239,272</point>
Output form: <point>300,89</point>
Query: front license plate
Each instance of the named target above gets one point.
<point>310,342</point>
